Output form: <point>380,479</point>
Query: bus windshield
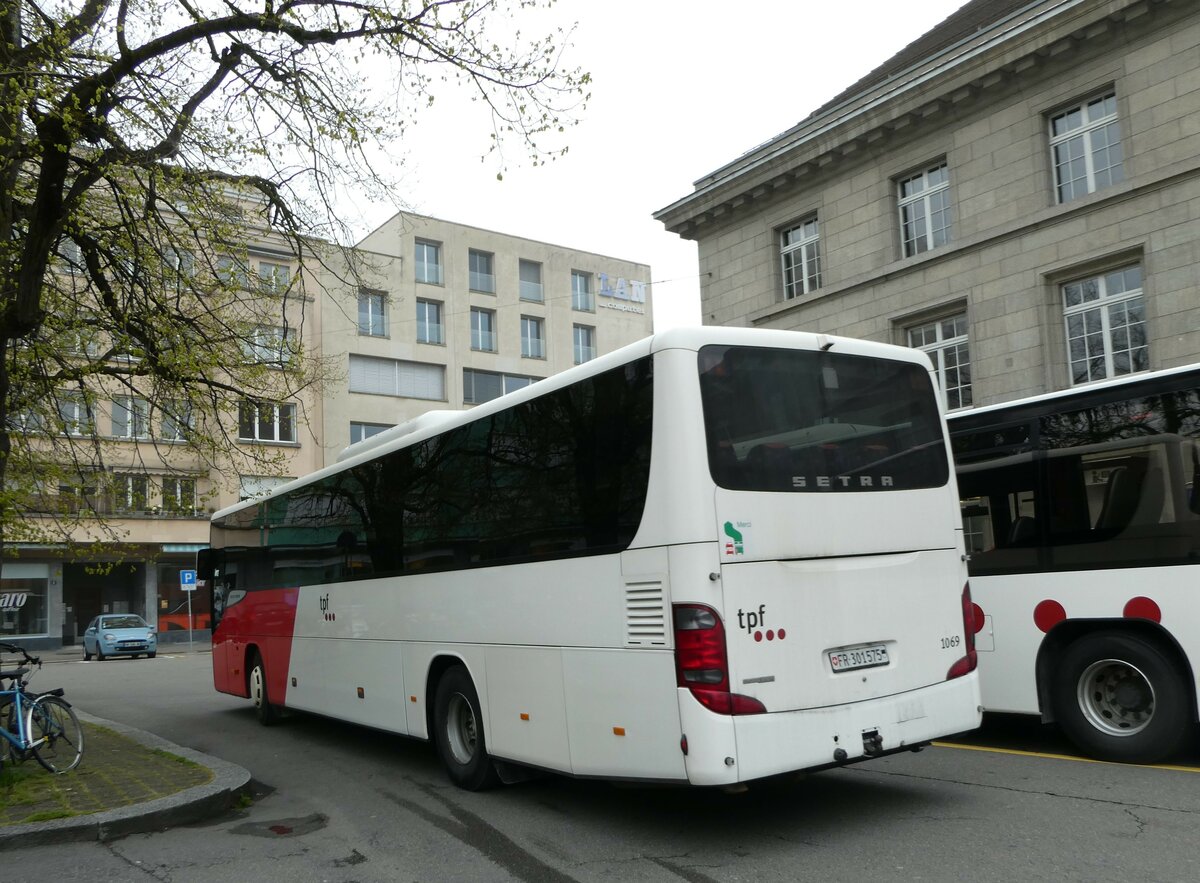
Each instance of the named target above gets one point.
<point>802,421</point>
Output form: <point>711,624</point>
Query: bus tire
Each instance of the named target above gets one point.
<point>458,732</point>
<point>257,683</point>
<point>1119,697</point>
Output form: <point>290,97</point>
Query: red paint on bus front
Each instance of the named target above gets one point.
<point>264,620</point>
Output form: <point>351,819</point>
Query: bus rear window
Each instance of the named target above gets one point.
<point>819,422</point>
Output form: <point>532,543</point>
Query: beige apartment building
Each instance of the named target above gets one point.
<point>424,314</point>
<point>447,316</point>
<point>1017,192</point>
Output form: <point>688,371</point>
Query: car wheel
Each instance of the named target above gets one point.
<point>87,657</point>
<point>151,655</point>
<point>267,713</point>
<point>1119,697</point>
<point>458,731</point>
<point>100,652</point>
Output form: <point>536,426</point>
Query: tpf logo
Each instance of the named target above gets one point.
<point>329,615</point>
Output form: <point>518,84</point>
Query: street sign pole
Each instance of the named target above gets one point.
<point>187,582</point>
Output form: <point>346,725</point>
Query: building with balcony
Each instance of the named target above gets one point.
<point>1017,193</point>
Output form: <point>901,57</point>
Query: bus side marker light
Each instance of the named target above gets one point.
<point>412,698</point>
<point>361,693</point>
<point>293,682</point>
<point>1048,614</point>
<point>618,731</point>
<point>524,715</point>
<point>1142,607</point>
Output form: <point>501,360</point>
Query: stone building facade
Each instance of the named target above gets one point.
<point>1017,192</point>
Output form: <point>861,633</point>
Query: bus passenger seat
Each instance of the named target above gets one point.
<point>1121,495</point>
<point>1023,531</point>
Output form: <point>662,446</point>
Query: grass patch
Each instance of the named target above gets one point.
<point>48,816</point>
<point>175,758</point>
<point>116,771</point>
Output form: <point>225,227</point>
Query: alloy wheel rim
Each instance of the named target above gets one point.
<point>462,732</point>
<point>1116,697</point>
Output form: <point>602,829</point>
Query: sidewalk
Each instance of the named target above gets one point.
<point>128,782</point>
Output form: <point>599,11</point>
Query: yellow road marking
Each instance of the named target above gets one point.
<point>1049,756</point>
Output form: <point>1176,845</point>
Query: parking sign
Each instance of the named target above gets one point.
<point>187,580</point>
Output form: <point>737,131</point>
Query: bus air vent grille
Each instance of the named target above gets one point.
<point>645,620</point>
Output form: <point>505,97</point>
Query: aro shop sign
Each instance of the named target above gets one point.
<point>13,600</point>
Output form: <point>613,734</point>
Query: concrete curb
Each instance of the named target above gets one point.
<point>229,781</point>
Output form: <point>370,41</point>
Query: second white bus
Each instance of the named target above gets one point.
<point>709,557</point>
<point>1082,512</point>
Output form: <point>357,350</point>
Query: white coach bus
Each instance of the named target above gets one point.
<point>712,556</point>
<point>1082,513</point>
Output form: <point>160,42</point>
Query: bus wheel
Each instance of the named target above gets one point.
<point>267,713</point>
<point>458,732</point>
<point>1119,697</point>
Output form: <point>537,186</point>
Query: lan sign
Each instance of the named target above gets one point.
<point>622,290</point>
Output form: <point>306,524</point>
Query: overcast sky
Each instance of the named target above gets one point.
<point>680,87</point>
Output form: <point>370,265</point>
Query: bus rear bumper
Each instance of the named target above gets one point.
<point>756,746</point>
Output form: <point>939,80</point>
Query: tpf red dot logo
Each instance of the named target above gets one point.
<point>754,620</point>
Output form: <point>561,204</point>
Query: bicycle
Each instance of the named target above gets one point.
<point>39,724</point>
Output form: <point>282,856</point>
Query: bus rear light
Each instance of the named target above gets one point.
<point>967,663</point>
<point>702,664</point>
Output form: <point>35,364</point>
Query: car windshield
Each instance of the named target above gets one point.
<point>123,622</point>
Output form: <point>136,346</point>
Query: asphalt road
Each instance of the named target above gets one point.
<point>338,803</point>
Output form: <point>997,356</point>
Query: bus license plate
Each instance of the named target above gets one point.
<point>859,657</point>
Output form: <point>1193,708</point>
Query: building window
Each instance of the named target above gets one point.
<point>175,420</point>
<point>267,421</point>
<point>429,322</point>
<point>259,485</point>
<point>129,493</point>
<point>179,495</point>
<point>1085,146</point>
<point>1106,325</point>
<point>361,431</point>
<point>429,262</point>
<point>533,340</point>
<point>232,271</point>
<point>75,414</point>
<point>946,343</point>
<point>483,386</point>
<point>130,417</point>
<point>372,313</point>
<point>483,330</point>
<point>270,345</point>
<point>396,377</point>
<point>481,269</point>
<point>800,249</point>
<point>585,343</point>
<point>581,292</point>
<point>531,281</point>
<point>925,210</point>
<point>80,494</point>
<point>274,278</point>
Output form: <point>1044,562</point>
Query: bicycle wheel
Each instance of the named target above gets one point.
<point>52,718</point>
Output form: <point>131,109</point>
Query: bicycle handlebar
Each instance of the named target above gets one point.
<point>25,657</point>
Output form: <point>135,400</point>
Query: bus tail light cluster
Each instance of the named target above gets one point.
<point>702,664</point>
<point>966,664</point>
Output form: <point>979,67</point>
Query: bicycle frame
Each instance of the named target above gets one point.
<point>20,740</point>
